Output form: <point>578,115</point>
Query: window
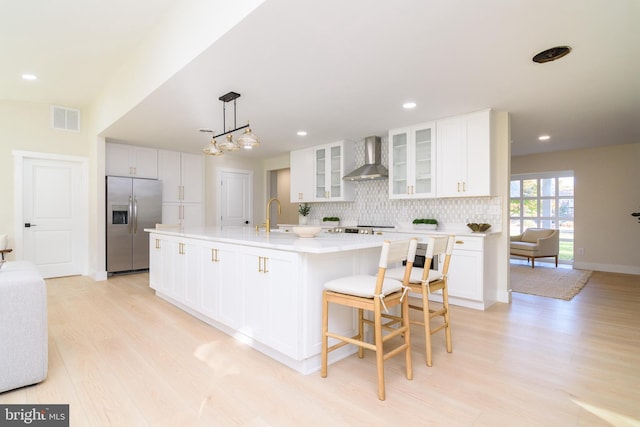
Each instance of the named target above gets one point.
<point>544,200</point>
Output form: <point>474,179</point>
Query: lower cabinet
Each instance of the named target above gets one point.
<point>221,290</point>
<point>271,298</point>
<point>466,268</point>
<point>251,290</point>
<point>472,274</point>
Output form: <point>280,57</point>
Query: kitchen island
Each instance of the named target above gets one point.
<point>263,289</point>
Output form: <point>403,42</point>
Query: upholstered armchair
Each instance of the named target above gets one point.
<point>536,243</point>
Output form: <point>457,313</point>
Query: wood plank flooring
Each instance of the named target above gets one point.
<point>120,356</point>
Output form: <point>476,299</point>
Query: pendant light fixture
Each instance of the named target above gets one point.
<point>247,140</point>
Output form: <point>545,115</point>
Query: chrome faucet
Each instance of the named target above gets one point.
<point>268,223</point>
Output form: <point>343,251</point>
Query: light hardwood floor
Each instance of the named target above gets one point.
<point>120,356</point>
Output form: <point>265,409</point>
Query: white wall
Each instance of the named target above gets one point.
<point>607,191</point>
<point>26,126</point>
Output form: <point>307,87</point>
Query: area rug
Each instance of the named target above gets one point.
<point>561,283</point>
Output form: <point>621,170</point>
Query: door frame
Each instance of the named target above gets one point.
<point>18,199</point>
<point>219,173</point>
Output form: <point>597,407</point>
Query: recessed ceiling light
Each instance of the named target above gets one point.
<point>302,133</point>
<point>409,105</point>
<point>28,76</point>
<point>544,137</point>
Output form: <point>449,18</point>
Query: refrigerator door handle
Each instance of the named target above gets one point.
<point>129,209</point>
<point>135,215</point>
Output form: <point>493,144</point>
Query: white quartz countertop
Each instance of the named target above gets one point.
<point>325,242</point>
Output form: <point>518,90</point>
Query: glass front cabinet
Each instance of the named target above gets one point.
<point>332,162</point>
<point>412,162</point>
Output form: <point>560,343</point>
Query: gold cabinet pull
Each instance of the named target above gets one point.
<point>262,264</point>
<point>214,255</point>
<point>181,249</point>
<point>157,243</point>
<point>459,242</point>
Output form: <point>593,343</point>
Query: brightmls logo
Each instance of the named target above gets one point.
<point>34,415</point>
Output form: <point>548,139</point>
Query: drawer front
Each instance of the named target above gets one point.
<point>469,243</point>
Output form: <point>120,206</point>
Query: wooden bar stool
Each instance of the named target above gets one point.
<point>375,294</point>
<point>424,281</point>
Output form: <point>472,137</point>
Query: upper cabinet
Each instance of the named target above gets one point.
<point>302,180</point>
<point>331,163</point>
<point>464,155</point>
<point>182,177</point>
<point>412,162</point>
<point>128,160</point>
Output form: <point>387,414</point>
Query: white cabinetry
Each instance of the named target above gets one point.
<point>182,188</point>
<point>331,163</point>
<point>464,155</point>
<point>200,275</point>
<point>472,275</point>
<point>128,160</point>
<point>221,291</point>
<point>270,299</point>
<point>412,162</point>
<point>302,179</point>
<point>466,269</point>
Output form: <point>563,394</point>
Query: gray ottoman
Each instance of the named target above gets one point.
<point>23,326</point>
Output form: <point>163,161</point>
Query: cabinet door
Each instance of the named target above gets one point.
<point>334,172</point>
<point>466,271</point>
<point>155,261</point>
<point>169,174</point>
<point>192,274</point>
<point>171,213</point>
<point>144,162</point>
<point>191,215</point>
<point>451,135</point>
<point>320,168</point>
<point>424,160</point>
<point>117,160</point>
<point>221,295</point>
<point>478,154</point>
<point>399,177</point>
<point>331,164</point>
<point>271,299</point>
<point>464,155</point>
<point>412,162</point>
<point>228,288</point>
<point>127,160</point>
<point>180,266</point>
<point>302,166</point>
<point>192,177</point>
<point>168,249</point>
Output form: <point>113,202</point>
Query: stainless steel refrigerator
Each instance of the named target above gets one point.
<point>133,204</point>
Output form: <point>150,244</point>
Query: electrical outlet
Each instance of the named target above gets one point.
<point>580,251</point>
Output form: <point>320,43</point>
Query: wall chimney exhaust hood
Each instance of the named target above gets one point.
<point>372,168</point>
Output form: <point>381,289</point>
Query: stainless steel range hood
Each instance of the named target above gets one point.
<point>372,168</point>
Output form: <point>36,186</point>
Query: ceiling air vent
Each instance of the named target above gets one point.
<point>551,54</point>
<point>65,118</point>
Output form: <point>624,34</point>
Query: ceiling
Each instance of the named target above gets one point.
<point>342,70</point>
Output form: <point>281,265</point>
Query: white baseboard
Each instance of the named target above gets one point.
<point>99,276</point>
<point>610,268</point>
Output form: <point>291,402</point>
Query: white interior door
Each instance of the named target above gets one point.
<point>236,193</point>
<point>53,216</point>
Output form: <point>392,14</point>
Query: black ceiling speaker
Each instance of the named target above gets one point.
<point>551,54</point>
